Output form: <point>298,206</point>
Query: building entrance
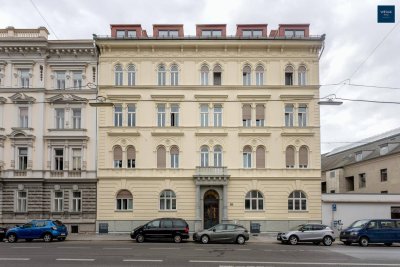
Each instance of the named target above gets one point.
<point>211,209</point>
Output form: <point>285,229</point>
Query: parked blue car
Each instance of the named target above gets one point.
<point>365,232</point>
<point>38,229</point>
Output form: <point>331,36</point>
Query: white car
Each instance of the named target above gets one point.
<point>315,233</point>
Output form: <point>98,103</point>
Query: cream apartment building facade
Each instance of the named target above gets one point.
<point>47,129</point>
<point>210,128</point>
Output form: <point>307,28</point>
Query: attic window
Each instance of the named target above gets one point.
<point>384,150</point>
<point>358,156</point>
<point>294,33</point>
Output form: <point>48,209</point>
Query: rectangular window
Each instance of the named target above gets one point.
<point>23,117</point>
<point>362,180</point>
<point>131,115</point>
<point>58,159</point>
<point>174,115</point>
<point>217,115</point>
<point>350,183</point>
<point>22,201</point>
<point>58,201</point>
<point>289,115</point>
<point>76,201</point>
<point>302,115</point>
<point>120,34</point>
<point>76,118</point>
<point>131,34</point>
<point>76,159</point>
<point>252,33</point>
<point>161,115</point>
<point>204,115</point>
<point>384,175</point>
<point>211,33</point>
<point>246,160</point>
<point>174,160</point>
<point>118,115</point>
<point>77,79</point>
<point>60,118</point>
<point>22,158</point>
<point>24,76</point>
<point>217,78</point>
<point>259,78</point>
<point>294,33</point>
<point>60,79</point>
<point>168,33</point>
<point>246,115</point>
<point>124,204</point>
<point>260,115</point>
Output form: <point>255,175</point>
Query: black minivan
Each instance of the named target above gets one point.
<point>163,228</point>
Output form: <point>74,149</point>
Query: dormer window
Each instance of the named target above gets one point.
<point>120,34</point>
<point>294,33</point>
<point>126,34</point>
<point>168,33</point>
<point>358,156</point>
<point>384,150</point>
<point>211,33</point>
<point>252,33</point>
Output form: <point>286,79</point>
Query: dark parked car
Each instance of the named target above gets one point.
<point>3,231</point>
<point>163,228</point>
<point>38,229</point>
<point>224,232</point>
<point>315,233</point>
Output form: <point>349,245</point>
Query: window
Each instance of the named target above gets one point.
<point>217,156</point>
<point>290,157</point>
<point>204,153</point>
<point>161,157</point>
<point>118,115</point>
<point>167,200</point>
<point>303,157</point>
<point>131,74</point>
<point>246,75</point>
<point>297,201</point>
<point>247,157</point>
<point>259,75</point>
<point>252,33</point>
<point>174,157</point>
<point>289,75</point>
<point>384,149</point>
<point>302,75</point>
<point>254,200</point>
<point>204,115</point>
<point>131,115</point>
<point>350,183</point>
<point>302,115</point>
<point>161,75</point>
<point>204,75</point>
<point>76,159</point>
<point>260,115</point>
<point>58,159</point>
<point>289,109</point>
<point>76,118</point>
<point>24,76</point>
<point>384,175</point>
<point>120,34</point>
<point>217,75</point>
<point>60,117</point>
<point>131,157</point>
<point>23,117</point>
<point>22,158</point>
<point>60,79</point>
<point>117,155</point>
<point>217,115</point>
<point>77,79</point>
<point>22,201</point>
<point>119,77</point>
<point>131,34</point>
<point>174,115</point>
<point>174,75</point>
<point>294,33</point>
<point>358,156</point>
<point>211,33</point>
<point>260,157</point>
<point>161,115</point>
<point>395,214</point>
<point>246,115</point>
<point>168,33</point>
<point>58,201</point>
<point>124,200</point>
<point>362,180</point>
<point>76,201</point>
<point>384,192</point>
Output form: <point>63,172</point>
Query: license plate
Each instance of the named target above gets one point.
<point>62,233</point>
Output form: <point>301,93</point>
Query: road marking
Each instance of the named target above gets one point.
<point>164,248</point>
<point>242,249</point>
<point>74,247</point>
<point>298,263</point>
<point>199,249</point>
<point>118,248</point>
<point>75,259</point>
<point>26,247</point>
<point>14,259</point>
<point>129,260</point>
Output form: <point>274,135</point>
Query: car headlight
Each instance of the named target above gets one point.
<point>353,233</point>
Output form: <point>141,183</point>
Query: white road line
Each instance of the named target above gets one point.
<point>14,259</point>
<point>75,259</point>
<point>129,260</point>
<point>26,247</point>
<point>242,249</point>
<point>298,263</point>
<point>165,248</point>
<point>74,247</point>
<point>118,248</point>
<point>199,249</point>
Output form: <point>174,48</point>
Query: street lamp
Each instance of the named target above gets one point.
<point>101,102</point>
<point>329,100</point>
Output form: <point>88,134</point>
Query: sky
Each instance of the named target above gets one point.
<point>358,50</point>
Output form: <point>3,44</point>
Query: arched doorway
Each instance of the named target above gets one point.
<point>211,209</point>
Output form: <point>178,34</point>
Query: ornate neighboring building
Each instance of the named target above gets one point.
<point>47,129</point>
<point>211,128</point>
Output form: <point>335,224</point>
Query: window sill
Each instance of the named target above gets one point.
<point>168,210</point>
<point>22,128</point>
<point>298,211</point>
<point>257,211</point>
<point>67,129</point>
<point>123,210</point>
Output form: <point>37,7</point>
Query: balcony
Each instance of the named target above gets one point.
<point>211,172</point>
<point>20,173</point>
<point>58,174</point>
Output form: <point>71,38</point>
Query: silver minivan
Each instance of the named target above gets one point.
<point>315,233</point>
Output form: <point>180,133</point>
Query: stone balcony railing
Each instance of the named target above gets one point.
<point>211,171</point>
<point>20,173</point>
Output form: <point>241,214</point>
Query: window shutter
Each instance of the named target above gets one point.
<point>246,109</point>
<point>260,111</point>
<point>303,156</point>
<point>131,153</point>
<point>118,153</point>
<point>161,162</point>
<point>260,157</point>
<point>290,156</point>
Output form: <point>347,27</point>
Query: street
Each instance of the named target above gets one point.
<point>130,253</point>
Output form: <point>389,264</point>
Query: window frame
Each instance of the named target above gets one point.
<point>302,115</point>
<point>217,110</point>
<point>58,159</point>
<point>249,198</point>
<point>76,120</point>
<point>118,115</point>
<point>118,75</point>
<point>204,156</point>
<point>247,157</point>
<point>21,201</point>
<point>161,75</point>
<point>204,115</point>
<point>58,201</point>
<point>161,114</point>
<point>218,156</point>
<point>76,205</point>
<point>131,74</point>
<point>23,118</point>
<point>293,200</point>
<point>166,197</point>
<point>289,115</point>
<point>23,159</point>
<point>123,200</point>
<point>174,115</point>
<point>131,110</point>
<point>60,118</point>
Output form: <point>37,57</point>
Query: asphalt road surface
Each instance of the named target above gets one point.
<point>130,253</point>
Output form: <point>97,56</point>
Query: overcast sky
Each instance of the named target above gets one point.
<point>351,28</point>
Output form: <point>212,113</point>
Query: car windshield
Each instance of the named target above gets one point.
<point>359,224</point>
<point>297,228</point>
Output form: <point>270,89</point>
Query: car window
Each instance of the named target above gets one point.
<point>27,225</point>
<point>40,224</point>
<point>220,227</point>
<point>317,227</point>
<point>372,225</point>
<point>179,224</point>
<point>166,224</point>
<point>387,224</point>
<point>58,223</point>
<point>230,227</point>
<point>154,224</point>
<point>307,228</point>
<point>398,224</point>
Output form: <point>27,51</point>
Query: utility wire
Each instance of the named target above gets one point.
<point>51,29</point>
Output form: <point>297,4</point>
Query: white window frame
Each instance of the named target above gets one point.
<point>167,200</point>
<point>217,115</point>
<point>118,75</point>
<point>24,77</point>
<point>289,115</point>
<point>76,120</point>
<point>174,75</point>
<point>126,204</point>
<point>131,115</point>
<point>257,198</point>
<point>76,159</point>
<point>302,113</point>
<point>204,157</point>
<point>131,75</point>
<point>162,75</point>
<point>247,161</point>
<point>23,164</point>
<point>295,199</point>
<point>58,202</point>
<point>59,118</point>
<point>23,120</point>
<point>76,205</point>
<point>118,116</point>
<point>174,161</point>
<point>21,201</point>
<point>204,75</point>
<point>77,79</point>
<point>57,159</point>
<point>217,156</point>
<point>204,115</point>
<point>61,80</point>
<point>161,113</point>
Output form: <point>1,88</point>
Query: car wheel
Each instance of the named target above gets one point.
<point>347,243</point>
<point>177,239</point>
<point>205,239</point>
<point>12,238</point>
<point>327,241</point>
<point>240,240</point>
<point>293,240</point>
<point>316,243</point>
<point>61,239</point>
<point>140,238</point>
<point>28,240</point>
<point>364,241</point>
<point>47,237</point>
<point>388,244</point>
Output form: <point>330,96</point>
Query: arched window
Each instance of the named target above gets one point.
<point>217,156</point>
<point>290,157</point>
<point>117,155</point>
<point>260,157</point>
<point>247,157</point>
<point>297,201</point>
<point>131,74</point>
<point>259,75</point>
<point>289,75</point>
<point>217,75</point>
<point>254,200</point>
<point>204,74</point>
<point>204,153</point>
<point>161,75</point>
<point>302,75</point>
<point>167,200</point>
<point>174,157</point>
<point>174,75</point>
<point>161,162</point>
<point>118,74</point>
<point>247,75</point>
<point>131,157</point>
<point>303,157</point>
<point>124,200</point>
